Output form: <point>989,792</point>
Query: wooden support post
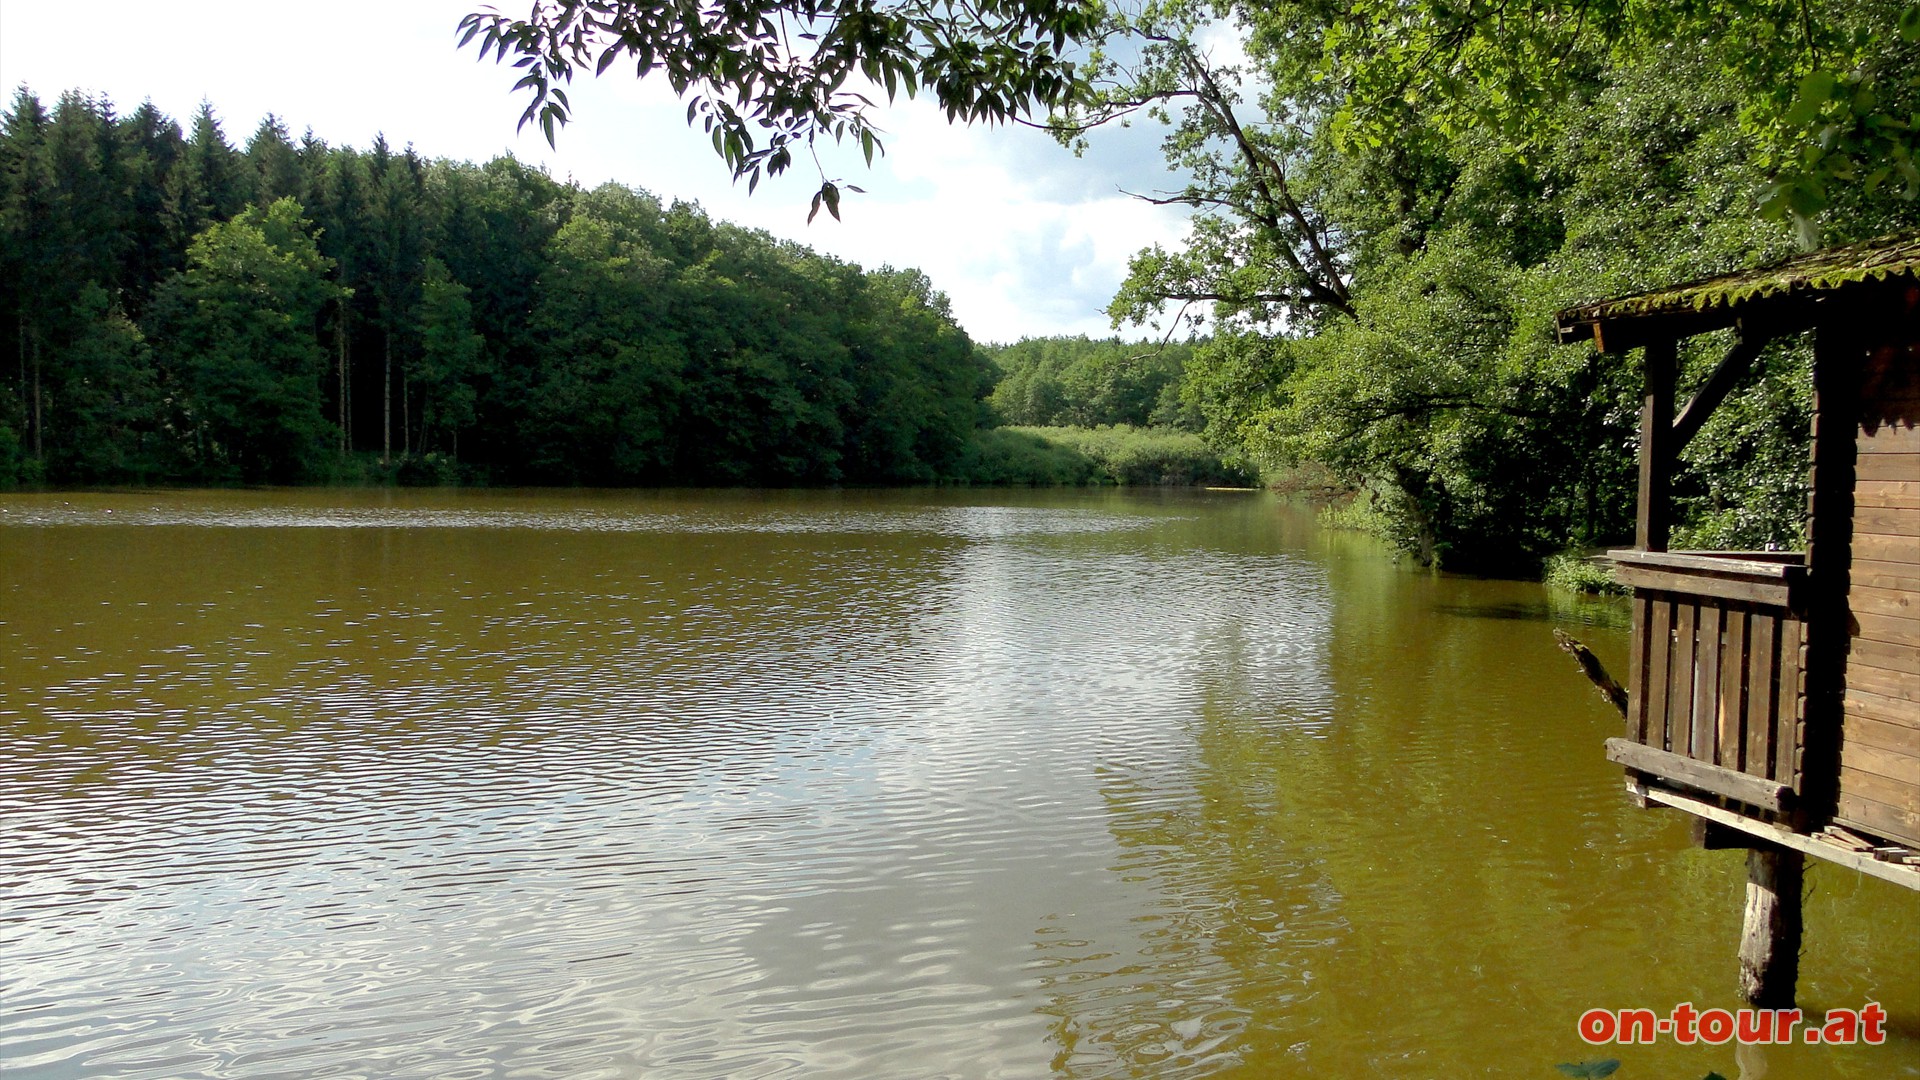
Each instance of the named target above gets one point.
<point>1713,836</point>
<point>1655,516</point>
<point>1810,727</point>
<point>1770,938</point>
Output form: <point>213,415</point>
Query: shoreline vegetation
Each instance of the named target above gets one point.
<point>185,312</point>
<point>1006,456</point>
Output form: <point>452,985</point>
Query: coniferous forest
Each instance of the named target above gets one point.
<point>186,310</point>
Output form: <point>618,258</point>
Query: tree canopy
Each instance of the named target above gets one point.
<point>1825,92</point>
<point>1390,203</point>
<point>1075,382</point>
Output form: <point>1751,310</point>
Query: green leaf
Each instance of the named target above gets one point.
<point>1910,24</point>
<point>1815,91</point>
<point>1806,200</point>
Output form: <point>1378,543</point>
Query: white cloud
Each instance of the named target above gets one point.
<point>1023,237</point>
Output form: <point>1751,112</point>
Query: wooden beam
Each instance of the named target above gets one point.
<point>1653,519</point>
<point>1754,580</point>
<point>1777,592</point>
<point>1767,318</point>
<point>1624,334</point>
<point>1755,565</point>
<point>1733,367</point>
<point>1907,876</point>
<point>1573,333</point>
<point>1770,935</point>
<point>1752,790</point>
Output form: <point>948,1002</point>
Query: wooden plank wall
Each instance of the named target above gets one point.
<point>1880,741</point>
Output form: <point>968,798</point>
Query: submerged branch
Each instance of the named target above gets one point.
<point>1596,673</point>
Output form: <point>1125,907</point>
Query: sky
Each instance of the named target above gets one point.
<point>1023,237</point>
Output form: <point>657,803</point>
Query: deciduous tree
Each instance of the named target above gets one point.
<point>238,331</point>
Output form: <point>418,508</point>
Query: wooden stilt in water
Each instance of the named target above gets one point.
<point>1770,940</point>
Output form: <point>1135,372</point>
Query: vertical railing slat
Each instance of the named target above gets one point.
<point>1787,742</point>
<point>1637,669</point>
<point>1680,678</point>
<point>1762,683</point>
<point>1733,699</point>
<point>1706,683</point>
<point>1659,660</point>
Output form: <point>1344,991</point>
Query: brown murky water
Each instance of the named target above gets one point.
<point>831,784</point>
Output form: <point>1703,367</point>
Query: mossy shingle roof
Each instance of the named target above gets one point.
<point>1883,259</point>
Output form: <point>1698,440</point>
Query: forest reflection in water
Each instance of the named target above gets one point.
<point>830,783</point>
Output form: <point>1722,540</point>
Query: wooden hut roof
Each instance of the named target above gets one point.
<point>1785,290</point>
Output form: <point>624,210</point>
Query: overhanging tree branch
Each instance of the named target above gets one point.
<point>780,68</point>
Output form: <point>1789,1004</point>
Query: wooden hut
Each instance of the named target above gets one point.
<point>1776,696</point>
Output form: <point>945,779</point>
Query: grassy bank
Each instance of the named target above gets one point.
<point>1117,454</point>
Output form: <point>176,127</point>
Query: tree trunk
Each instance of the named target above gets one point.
<point>386,403</point>
<point>406,416</point>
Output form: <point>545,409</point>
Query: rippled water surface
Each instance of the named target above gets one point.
<point>830,784</point>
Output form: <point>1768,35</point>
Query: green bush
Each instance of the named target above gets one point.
<point>431,469</point>
<point>1010,456</point>
<point>1130,455</point>
<point>1577,573</point>
<point>1357,514</point>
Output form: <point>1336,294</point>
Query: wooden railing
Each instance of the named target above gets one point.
<point>1713,683</point>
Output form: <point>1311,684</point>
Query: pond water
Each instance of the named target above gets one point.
<point>832,784</point>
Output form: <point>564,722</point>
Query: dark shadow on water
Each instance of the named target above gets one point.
<point>1611,612</point>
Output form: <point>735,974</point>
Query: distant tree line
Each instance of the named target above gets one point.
<point>1077,382</point>
<point>180,309</point>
